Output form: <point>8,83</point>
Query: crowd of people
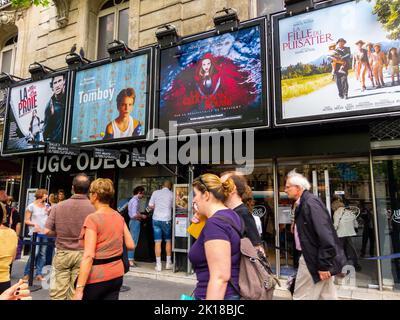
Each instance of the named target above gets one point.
<point>95,246</point>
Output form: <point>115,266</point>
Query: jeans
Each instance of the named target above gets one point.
<point>349,250</point>
<point>162,230</point>
<point>134,227</point>
<point>368,234</point>
<point>40,257</point>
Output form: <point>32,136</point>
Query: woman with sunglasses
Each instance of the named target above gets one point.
<point>103,234</point>
<point>215,255</point>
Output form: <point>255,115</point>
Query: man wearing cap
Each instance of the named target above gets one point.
<point>342,68</point>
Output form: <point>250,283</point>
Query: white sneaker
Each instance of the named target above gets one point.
<point>158,267</point>
<point>168,266</point>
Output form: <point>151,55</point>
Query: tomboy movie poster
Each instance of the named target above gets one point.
<point>36,114</point>
<point>110,101</point>
<point>339,59</point>
<point>215,81</point>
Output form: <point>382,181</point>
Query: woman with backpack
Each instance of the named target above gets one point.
<point>215,255</point>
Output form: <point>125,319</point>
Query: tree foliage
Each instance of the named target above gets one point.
<point>388,13</point>
<point>305,70</point>
<point>27,3</point>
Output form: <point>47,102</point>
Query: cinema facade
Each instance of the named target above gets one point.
<point>273,76</point>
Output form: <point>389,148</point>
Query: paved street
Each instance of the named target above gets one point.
<point>141,288</point>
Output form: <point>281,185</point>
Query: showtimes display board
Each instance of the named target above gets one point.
<point>215,81</point>
<point>339,61</point>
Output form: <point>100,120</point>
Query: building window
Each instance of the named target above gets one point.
<point>7,55</point>
<point>264,7</point>
<point>113,23</point>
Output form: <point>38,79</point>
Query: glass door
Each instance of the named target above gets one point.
<point>337,182</point>
<point>387,192</point>
<point>261,182</point>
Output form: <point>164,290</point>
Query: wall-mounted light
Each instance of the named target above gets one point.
<point>167,35</point>
<point>38,70</point>
<point>226,20</point>
<point>298,6</point>
<point>75,60</point>
<point>7,79</point>
<point>118,49</point>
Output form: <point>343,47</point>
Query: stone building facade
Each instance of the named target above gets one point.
<point>46,34</point>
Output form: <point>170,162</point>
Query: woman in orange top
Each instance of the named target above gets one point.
<point>103,233</point>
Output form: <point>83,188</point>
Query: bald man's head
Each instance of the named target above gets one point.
<point>167,184</point>
<point>81,183</point>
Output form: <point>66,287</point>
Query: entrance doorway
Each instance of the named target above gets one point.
<point>261,181</point>
<point>387,192</point>
<point>334,181</point>
<point>152,179</point>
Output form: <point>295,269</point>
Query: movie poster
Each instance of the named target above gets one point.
<point>338,61</point>
<point>36,114</point>
<point>111,101</point>
<point>214,82</point>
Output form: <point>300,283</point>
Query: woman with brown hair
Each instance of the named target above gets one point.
<point>215,255</point>
<point>241,201</point>
<point>36,215</point>
<point>103,234</point>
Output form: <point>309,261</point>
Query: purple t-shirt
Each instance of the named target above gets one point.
<point>216,229</point>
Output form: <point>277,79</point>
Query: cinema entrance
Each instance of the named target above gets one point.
<point>332,179</point>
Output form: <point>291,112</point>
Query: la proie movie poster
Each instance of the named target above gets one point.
<point>110,101</point>
<point>36,114</point>
<point>213,82</point>
<point>342,59</point>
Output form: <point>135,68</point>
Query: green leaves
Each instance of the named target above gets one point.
<point>27,3</point>
<point>387,12</point>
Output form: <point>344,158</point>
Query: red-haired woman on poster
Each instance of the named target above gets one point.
<point>208,79</point>
<point>221,83</point>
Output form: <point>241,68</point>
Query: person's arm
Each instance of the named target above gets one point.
<point>18,229</point>
<point>336,216</point>
<point>218,255</point>
<point>86,263</point>
<point>251,229</point>
<point>132,208</point>
<point>28,222</point>
<point>50,228</point>
<point>326,239</point>
<point>151,202</point>
<point>109,134</point>
<point>129,243</point>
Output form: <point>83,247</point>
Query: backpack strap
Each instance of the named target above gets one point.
<point>232,224</point>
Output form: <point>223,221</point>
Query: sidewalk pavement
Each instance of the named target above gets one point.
<point>146,271</point>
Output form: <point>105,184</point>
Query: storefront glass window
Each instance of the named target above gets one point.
<point>387,190</point>
<point>264,7</point>
<point>346,181</point>
<point>261,182</point>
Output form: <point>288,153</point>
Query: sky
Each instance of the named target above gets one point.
<point>352,21</point>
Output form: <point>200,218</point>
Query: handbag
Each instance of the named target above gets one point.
<point>125,259</point>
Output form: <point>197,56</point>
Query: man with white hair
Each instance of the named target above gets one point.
<point>316,239</point>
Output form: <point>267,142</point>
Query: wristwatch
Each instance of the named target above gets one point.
<point>80,286</point>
